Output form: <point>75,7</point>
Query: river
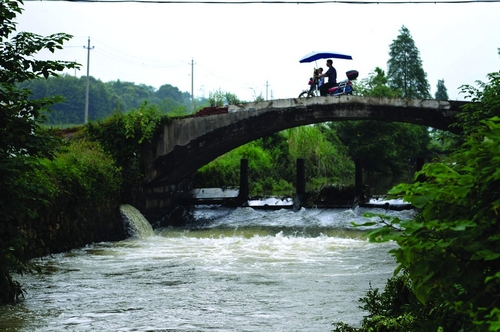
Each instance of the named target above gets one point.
<point>229,270</point>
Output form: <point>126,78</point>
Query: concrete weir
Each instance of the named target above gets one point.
<point>359,101</point>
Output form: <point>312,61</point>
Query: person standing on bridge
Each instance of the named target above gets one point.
<point>331,73</point>
<point>321,79</point>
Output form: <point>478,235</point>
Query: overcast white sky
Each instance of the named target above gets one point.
<point>254,49</point>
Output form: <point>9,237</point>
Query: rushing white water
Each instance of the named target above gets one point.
<point>229,270</point>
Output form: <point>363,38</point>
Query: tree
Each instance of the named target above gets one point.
<point>441,92</point>
<point>71,110</point>
<point>105,98</point>
<point>405,70</point>
<point>130,95</point>
<point>326,160</point>
<point>221,98</point>
<point>443,140</point>
<point>172,100</point>
<point>21,140</point>
<point>486,104</point>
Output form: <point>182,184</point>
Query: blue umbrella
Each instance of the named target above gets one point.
<point>313,56</point>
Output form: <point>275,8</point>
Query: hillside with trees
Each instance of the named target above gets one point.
<point>385,148</point>
<point>448,274</point>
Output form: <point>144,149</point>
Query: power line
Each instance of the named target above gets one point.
<point>116,54</point>
<point>140,61</point>
<point>349,2</point>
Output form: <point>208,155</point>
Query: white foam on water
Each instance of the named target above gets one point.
<point>137,224</point>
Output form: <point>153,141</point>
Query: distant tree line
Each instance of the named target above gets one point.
<point>104,98</point>
<point>448,256</point>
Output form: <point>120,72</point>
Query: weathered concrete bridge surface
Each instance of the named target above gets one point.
<point>186,144</point>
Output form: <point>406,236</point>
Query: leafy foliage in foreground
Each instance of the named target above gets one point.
<point>396,309</point>
<point>122,136</point>
<point>486,104</point>
<point>385,147</point>
<point>104,98</point>
<point>405,69</point>
<point>453,252</point>
<point>22,141</point>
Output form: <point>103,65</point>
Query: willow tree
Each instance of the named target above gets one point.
<point>441,92</point>
<point>405,69</point>
<point>385,147</point>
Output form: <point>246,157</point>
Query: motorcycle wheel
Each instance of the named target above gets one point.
<point>306,94</point>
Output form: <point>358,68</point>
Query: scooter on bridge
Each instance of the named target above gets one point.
<point>344,87</point>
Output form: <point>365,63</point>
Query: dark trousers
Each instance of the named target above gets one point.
<point>323,90</point>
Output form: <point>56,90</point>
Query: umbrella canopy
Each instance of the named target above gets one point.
<point>313,56</point>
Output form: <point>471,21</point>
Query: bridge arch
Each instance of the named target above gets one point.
<point>186,144</point>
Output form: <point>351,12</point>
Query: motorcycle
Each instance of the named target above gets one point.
<point>344,87</point>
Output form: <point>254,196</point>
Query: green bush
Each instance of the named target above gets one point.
<point>225,170</point>
<point>81,187</point>
<point>451,249</point>
<point>397,309</point>
<point>324,158</point>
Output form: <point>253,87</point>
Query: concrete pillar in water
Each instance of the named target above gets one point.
<point>358,178</point>
<point>244,191</point>
<point>301,177</point>
<point>301,184</point>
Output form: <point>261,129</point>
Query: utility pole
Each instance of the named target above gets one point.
<point>192,85</point>
<point>86,119</point>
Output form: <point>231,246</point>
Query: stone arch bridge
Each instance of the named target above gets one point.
<point>185,144</point>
